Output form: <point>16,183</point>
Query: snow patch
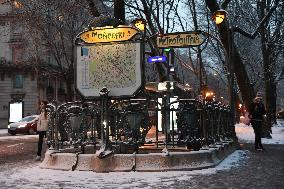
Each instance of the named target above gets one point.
<point>46,178</point>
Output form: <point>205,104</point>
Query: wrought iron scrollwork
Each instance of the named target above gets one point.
<point>189,124</point>
<point>134,124</point>
<point>111,124</point>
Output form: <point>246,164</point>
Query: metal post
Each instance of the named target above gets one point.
<point>167,104</point>
<point>56,89</point>
<point>105,148</point>
<point>166,121</point>
<point>200,71</point>
<point>56,142</point>
<point>157,129</point>
<point>173,127</point>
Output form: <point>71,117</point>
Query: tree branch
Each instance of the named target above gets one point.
<point>93,8</point>
<point>134,7</point>
<point>280,76</point>
<point>263,21</point>
<point>225,4</point>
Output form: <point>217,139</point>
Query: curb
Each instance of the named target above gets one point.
<point>4,132</point>
<point>174,161</point>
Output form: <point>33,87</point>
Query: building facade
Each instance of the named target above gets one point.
<point>20,80</point>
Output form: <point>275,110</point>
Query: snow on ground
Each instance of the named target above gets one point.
<point>245,133</point>
<point>33,177</point>
<point>16,137</point>
<point>46,178</point>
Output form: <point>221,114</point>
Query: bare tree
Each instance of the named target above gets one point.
<point>264,66</point>
<point>271,36</point>
<point>266,12</point>
<point>160,17</point>
<point>50,28</point>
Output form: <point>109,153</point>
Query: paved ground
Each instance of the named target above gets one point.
<point>17,151</point>
<point>3,132</point>
<point>260,170</point>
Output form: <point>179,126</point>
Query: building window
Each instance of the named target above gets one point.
<point>2,23</point>
<point>18,81</point>
<point>32,76</point>
<point>2,76</point>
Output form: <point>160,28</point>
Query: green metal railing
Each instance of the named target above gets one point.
<point>121,126</point>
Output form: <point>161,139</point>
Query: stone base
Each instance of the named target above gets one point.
<point>173,161</point>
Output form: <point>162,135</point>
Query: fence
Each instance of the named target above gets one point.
<point>121,126</point>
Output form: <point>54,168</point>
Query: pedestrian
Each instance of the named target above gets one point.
<point>256,112</point>
<point>42,126</point>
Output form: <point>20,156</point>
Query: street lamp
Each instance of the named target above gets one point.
<point>139,23</point>
<point>219,16</point>
<point>209,96</point>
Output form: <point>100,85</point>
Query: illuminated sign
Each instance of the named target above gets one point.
<point>157,59</point>
<point>108,34</point>
<point>15,111</point>
<point>180,40</point>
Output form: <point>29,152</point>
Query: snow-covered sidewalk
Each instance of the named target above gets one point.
<point>31,176</point>
<point>3,132</point>
<point>34,177</point>
<point>245,133</point>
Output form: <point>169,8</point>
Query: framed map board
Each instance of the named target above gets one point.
<point>116,66</point>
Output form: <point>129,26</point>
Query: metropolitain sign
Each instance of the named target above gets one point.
<point>180,39</point>
<point>108,34</point>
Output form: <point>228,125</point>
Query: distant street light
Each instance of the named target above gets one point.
<point>209,93</point>
<point>167,50</point>
<point>17,4</point>
<point>209,96</point>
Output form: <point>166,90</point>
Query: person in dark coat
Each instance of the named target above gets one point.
<point>256,112</point>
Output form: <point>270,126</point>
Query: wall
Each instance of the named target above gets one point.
<point>30,98</point>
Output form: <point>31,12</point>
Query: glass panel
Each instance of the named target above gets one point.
<point>18,81</point>
<point>27,119</point>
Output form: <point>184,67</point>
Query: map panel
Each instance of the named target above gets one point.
<point>114,66</point>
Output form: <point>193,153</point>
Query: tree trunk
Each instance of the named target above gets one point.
<point>199,57</point>
<point>69,90</point>
<point>269,83</point>
<point>93,8</point>
<point>243,80</point>
<point>273,101</point>
<point>153,45</point>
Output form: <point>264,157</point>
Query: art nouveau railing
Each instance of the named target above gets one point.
<point>115,126</point>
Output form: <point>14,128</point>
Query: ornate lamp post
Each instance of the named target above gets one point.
<point>219,17</point>
<point>140,24</point>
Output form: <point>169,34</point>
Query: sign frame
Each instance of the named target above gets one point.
<point>104,35</point>
<point>172,40</point>
<point>97,96</point>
